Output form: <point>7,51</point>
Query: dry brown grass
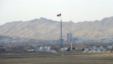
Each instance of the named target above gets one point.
<point>58,59</point>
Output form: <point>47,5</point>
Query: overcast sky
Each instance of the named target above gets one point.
<point>75,10</point>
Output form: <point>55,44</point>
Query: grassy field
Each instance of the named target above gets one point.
<point>57,59</point>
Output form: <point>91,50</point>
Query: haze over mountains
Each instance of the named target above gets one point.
<point>46,29</point>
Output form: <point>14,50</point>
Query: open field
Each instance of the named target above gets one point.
<point>57,59</point>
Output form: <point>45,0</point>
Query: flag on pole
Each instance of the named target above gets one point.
<point>58,15</point>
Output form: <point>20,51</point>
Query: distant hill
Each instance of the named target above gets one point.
<point>46,29</point>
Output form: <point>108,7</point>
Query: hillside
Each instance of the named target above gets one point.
<point>46,29</point>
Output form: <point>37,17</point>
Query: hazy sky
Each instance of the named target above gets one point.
<point>76,10</point>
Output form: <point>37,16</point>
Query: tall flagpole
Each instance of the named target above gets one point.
<point>61,32</point>
<point>61,36</point>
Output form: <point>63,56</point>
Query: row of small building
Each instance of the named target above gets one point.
<point>90,49</point>
<point>98,49</point>
<point>50,49</point>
